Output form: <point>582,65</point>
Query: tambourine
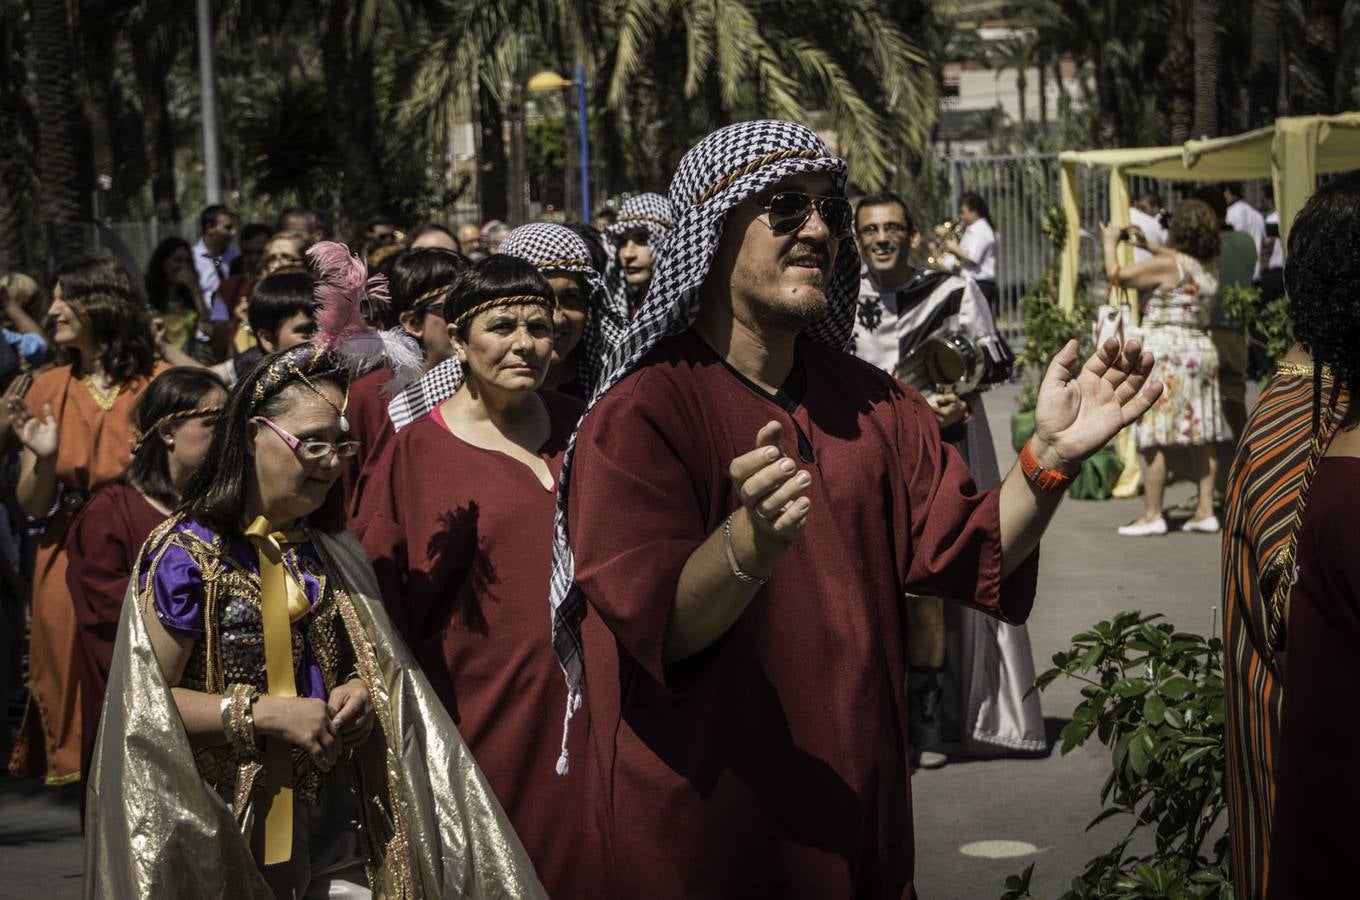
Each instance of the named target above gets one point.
<point>948,362</point>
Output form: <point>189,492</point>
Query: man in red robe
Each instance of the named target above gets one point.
<point>747,507</point>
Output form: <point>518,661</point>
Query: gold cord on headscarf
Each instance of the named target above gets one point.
<point>427,298</point>
<point>282,602</point>
<point>742,171</point>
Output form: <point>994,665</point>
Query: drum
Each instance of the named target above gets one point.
<point>948,362</point>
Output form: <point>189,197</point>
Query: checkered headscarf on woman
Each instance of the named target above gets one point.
<point>556,250</point>
<point>652,213</point>
<point>729,166</point>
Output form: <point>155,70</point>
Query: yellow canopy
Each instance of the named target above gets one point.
<point>1292,153</point>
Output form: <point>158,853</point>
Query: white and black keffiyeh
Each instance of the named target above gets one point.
<point>730,165</point>
<point>428,391</point>
<point>555,249</point>
<point>652,213</point>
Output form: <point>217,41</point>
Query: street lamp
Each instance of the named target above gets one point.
<point>548,80</point>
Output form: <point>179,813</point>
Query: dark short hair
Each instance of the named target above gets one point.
<point>1320,273</point>
<point>279,297</point>
<point>434,226</point>
<point>176,390</point>
<point>417,272</point>
<point>101,292</point>
<point>322,223</point>
<point>1194,230</point>
<point>1234,186</point>
<point>976,204</point>
<point>1213,198</point>
<point>253,230</point>
<point>885,198</point>
<point>1149,197</point>
<point>208,218</point>
<point>496,276</point>
<point>599,258</point>
<point>216,495</point>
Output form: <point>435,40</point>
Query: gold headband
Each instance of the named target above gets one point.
<point>725,182</point>
<point>497,302</point>
<point>139,437</point>
<point>427,298</point>
<point>562,264</point>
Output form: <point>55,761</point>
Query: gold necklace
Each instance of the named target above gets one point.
<point>105,401</point>
<point>1301,370</point>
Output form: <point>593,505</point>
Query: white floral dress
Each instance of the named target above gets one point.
<point>1190,410</point>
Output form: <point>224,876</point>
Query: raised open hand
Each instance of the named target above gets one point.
<point>1080,409</point>
<point>771,488</point>
<point>38,435</point>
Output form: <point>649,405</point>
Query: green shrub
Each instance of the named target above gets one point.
<point>1154,696</point>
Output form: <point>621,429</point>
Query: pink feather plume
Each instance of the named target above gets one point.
<point>344,293</point>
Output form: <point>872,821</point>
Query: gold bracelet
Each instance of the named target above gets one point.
<point>238,712</point>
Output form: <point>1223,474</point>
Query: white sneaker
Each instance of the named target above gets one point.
<point>1206,526</point>
<point>1144,529</point>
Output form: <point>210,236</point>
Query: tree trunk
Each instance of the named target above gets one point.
<point>493,165</point>
<point>1263,69</point>
<point>57,131</point>
<point>1021,85</point>
<point>96,33</point>
<point>348,69</point>
<point>1317,73</point>
<point>1178,75</point>
<point>1206,67</point>
<point>1043,95</point>
<point>159,131</point>
<point>658,114</point>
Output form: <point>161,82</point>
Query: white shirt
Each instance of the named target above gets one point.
<point>212,271</point>
<point>1276,252</point>
<point>979,245</point>
<point>1243,217</point>
<point>1152,230</point>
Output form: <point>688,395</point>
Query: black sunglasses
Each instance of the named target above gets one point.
<point>789,210</point>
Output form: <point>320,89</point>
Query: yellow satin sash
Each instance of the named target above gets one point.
<point>282,601</point>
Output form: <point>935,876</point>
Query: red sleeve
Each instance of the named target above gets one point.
<point>635,517</point>
<point>380,527</point>
<point>99,565</point>
<point>954,550</point>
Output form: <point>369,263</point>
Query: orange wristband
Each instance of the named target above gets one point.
<point>1050,481</point>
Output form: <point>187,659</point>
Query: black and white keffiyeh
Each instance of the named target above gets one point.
<point>652,213</point>
<point>729,166</point>
<point>553,250</point>
<point>428,391</point>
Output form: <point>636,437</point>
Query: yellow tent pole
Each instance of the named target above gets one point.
<point>1293,165</point>
<point>1071,251</point>
<point>1119,218</point>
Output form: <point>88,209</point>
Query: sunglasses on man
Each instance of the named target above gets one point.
<point>790,210</point>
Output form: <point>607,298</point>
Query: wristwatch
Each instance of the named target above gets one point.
<point>1050,481</point>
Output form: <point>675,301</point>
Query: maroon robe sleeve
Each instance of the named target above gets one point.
<point>954,550</point>
<point>632,470</point>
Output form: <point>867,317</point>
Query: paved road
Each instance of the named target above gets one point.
<point>1088,573</point>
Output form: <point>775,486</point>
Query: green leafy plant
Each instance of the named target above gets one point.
<point>1266,323</point>
<point>1048,327</point>
<point>1154,696</point>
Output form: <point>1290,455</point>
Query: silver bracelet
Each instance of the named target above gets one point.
<point>732,555</point>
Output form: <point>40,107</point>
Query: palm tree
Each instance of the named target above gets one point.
<point>1263,69</point>
<point>58,113</point>
<point>157,29</point>
<point>1205,14</point>
<point>783,58</point>
<point>1015,52</point>
<point>1317,64</point>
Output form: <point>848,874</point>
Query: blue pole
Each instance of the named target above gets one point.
<point>585,141</point>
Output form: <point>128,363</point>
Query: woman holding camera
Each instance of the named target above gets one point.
<point>1183,278</point>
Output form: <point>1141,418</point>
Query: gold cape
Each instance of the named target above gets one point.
<point>154,828</point>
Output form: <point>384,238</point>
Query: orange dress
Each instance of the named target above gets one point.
<point>94,446</point>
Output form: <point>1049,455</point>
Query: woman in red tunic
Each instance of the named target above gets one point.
<point>76,434</point>
<point>458,523</point>
<point>174,421</point>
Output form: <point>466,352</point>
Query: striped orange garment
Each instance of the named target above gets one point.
<point>1259,509</point>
